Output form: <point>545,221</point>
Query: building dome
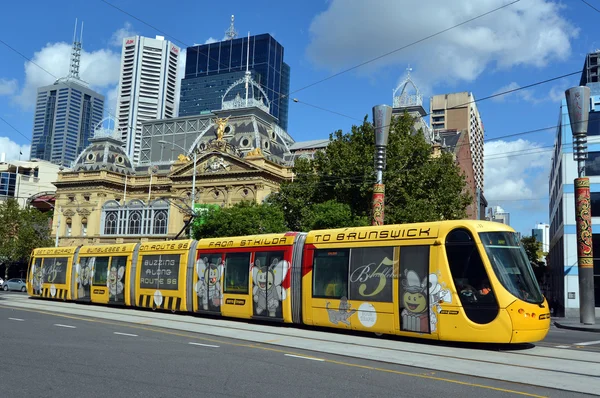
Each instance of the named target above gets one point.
<point>105,152</point>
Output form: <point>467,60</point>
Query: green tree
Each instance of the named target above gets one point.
<point>331,214</point>
<point>21,231</point>
<point>533,248</point>
<point>244,218</point>
<point>418,187</point>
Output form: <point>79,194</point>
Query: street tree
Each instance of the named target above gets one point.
<point>21,231</point>
<point>418,187</point>
<point>244,218</point>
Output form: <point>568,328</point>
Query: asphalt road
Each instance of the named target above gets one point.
<point>51,355</point>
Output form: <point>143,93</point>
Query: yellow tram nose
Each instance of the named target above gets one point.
<point>531,322</point>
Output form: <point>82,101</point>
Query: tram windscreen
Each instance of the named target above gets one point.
<point>511,265</point>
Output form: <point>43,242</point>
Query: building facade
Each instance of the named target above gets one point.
<point>562,259</point>
<point>459,112</point>
<point>65,116</point>
<point>107,199</point>
<point>212,69</point>
<point>27,181</point>
<point>498,214</point>
<point>147,87</point>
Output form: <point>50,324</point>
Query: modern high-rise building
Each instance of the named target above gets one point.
<point>211,70</point>
<point>66,113</point>
<point>498,214</point>
<point>147,87</point>
<point>564,281</point>
<point>541,233</point>
<point>459,112</point>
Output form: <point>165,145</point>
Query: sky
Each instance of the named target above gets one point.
<point>526,42</point>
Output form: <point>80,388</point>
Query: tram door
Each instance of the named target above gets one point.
<point>269,270</point>
<point>414,289</point>
<point>470,277</point>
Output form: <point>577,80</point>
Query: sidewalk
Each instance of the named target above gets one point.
<point>575,324</point>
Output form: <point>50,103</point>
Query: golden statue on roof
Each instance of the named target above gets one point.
<point>221,123</point>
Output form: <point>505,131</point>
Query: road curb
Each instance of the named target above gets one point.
<point>592,328</point>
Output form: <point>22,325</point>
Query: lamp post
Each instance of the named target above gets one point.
<point>194,174</point>
<point>578,105</point>
<point>382,116</point>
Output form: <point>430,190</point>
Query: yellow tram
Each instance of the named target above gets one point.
<point>458,280</point>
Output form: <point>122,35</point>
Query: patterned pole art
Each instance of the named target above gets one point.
<point>583,217</point>
<point>378,203</point>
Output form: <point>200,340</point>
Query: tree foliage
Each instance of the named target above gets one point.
<point>244,218</point>
<point>533,248</point>
<point>418,187</point>
<point>21,231</point>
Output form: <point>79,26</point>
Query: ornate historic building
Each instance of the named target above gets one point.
<point>105,199</point>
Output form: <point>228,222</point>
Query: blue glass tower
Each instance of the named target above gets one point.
<point>65,115</point>
<point>64,120</point>
<point>211,68</point>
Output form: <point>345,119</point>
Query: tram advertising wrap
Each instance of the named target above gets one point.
<point>459,280</point>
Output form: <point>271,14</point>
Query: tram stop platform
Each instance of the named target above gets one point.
<point>575,324</point>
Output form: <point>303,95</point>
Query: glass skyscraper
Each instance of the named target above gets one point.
<point>64,120</point>
<point>211,68</point>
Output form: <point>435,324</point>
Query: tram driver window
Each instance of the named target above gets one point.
<point>330,273</point>
<point>470,277</point>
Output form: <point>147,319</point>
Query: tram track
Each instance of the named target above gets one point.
<point>418,354</point>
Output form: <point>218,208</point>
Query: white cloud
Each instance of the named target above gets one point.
<point>110,101</point>
<point>515,170</point>
<point>117,37</point>
<point>99,68</point>
<point>11,149</point>
<point>209,40</point>
<point>529,33</point>
<point>525,94</point>
<point>8,87</point>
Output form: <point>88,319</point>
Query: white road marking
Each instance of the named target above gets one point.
<point>588,342</point>
<point>205,345</point>
<point>65,326</point>
<point>299,356</point>
<point>562,346</point>
<point>126,334</point>
<point>16,319</point>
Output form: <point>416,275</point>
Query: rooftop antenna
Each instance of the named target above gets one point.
<point>75,53</point>
<point>247,74</point>
<point>230,33</point>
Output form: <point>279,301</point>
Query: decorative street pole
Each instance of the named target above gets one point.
<point>382,117</point>
<point>578,104</point>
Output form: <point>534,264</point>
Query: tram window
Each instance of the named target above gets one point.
<point>100,271</point>
<point>330,273</point>
<point>371,271</point>
<point>160,271</point>
<point>267,259</point>
<point>55,270</point>
<point>470,277</point>
<point>237,273</point>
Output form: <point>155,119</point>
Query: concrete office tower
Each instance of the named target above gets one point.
<point>458,112</point>
<point>146,87</point>
<point>211,70</point>
<point>66,113</point>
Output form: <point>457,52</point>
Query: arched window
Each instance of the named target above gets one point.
<point>160,222</point>
<point>110,223</point>
<point>135,223</point>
